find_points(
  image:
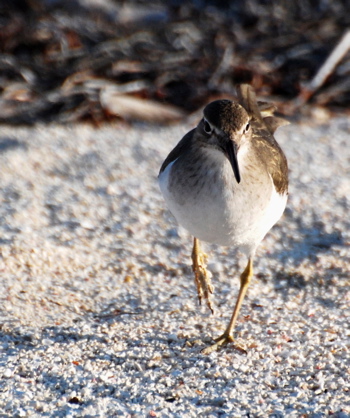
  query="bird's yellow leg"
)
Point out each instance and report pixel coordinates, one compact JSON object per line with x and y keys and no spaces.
{"x":227,"y":336}
{"x":202,"y":278}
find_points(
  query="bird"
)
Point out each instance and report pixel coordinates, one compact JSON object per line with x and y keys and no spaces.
{"x":226,"y":182}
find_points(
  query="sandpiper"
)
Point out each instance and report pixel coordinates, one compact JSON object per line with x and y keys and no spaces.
{"x":226,"y":182}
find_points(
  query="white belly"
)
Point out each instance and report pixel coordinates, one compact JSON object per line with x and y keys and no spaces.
{"x":239,"y":215}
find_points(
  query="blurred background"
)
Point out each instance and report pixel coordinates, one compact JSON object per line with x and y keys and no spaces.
{"x":97,"y":60}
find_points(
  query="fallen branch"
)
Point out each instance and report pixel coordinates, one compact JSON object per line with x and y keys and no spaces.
{"x":338,"y":53}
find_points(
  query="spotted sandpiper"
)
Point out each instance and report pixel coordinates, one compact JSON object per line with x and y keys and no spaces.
{"x":226,"y":182}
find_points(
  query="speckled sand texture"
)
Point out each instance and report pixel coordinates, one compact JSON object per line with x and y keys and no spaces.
{"x":99,"y":314}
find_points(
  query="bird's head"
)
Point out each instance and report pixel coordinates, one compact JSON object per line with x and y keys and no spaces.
{"x":226,"y":126}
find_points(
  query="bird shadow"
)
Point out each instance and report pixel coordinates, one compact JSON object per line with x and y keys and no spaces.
{"x":8,"y":144}
{"x":154,"y":349}
{"x":310,"y":243}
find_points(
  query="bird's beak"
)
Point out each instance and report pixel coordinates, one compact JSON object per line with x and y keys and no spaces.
{"x":231,"y":150}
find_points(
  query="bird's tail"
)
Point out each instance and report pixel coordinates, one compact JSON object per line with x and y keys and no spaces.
{"x":247,"y":98}
{"x":261,"y":111}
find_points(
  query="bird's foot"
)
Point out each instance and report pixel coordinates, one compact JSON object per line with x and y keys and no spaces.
{"x":203,"y":281}
{"x":224,"y":339}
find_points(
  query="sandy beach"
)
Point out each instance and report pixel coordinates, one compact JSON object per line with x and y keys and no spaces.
{"x":99,"y":312}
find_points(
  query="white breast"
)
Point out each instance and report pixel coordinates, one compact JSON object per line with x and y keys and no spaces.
{"x":207,"y":217}
{"x":237,"y":215}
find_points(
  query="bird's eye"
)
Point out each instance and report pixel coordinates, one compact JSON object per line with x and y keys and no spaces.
{"x":246,"y":129}
{"x":207,"y":127}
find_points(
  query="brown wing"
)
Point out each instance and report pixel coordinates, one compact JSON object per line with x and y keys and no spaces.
{"x":268,"y":150}
{"x":184,"y":144}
